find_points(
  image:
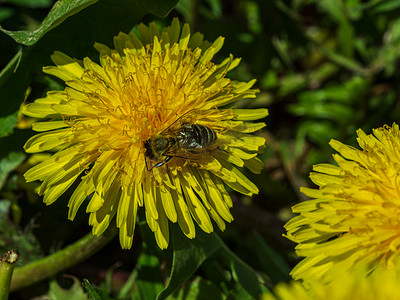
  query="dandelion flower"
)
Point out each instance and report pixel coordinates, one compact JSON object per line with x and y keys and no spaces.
{"x":381,"y":284}
{"x":354,"y":216}
{"x":98,"y":127}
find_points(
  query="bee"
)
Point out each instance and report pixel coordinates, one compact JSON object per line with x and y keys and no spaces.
{"x":180,"y":139}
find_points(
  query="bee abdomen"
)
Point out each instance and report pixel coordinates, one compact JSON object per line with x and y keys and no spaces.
{"x":206,"y":135}
{"x":194,"y":136}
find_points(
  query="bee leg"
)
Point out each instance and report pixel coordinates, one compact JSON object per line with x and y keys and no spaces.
{"x":161,"y":163}
{"x":167,"y":159}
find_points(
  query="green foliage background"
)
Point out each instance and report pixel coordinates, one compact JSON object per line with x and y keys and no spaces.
{"x":324,"y":67}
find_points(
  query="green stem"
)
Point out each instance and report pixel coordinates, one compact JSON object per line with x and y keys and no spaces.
{"x":61,"y":260}
{"x":7,"y":263}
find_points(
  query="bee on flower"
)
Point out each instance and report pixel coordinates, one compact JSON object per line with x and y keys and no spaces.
{"x":182,"y":141}
{"x":148,"y":127}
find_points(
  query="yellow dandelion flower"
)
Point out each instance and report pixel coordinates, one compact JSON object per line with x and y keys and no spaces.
{"x":145,"y":127}
{"x":353,"y":217}
{"x":383,"y":284}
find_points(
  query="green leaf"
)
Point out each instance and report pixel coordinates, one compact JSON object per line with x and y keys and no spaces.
{"x":334,"y":8}
{"x":318,"y":132}
{"x":5,"y":13}
{"x":148,"y":282}
{"x":126,"y":291}
{"x":238,"y":292}
{"x":249,"y":284}
{"x":11,"y":153}
{"x":291,"y":83}
{"x":8,"y":164}
{"x":73,"y":30}
{"x":13,"y":238}
{"x":7,"y":123}
{"x":271,"y":262}
{"x":76,"y":292}
{"x":386,"y":6}
{"x":61,"y":10}
{"x":64,"y":9}
{"x":188,"y":256}
{"x":346,"y":38}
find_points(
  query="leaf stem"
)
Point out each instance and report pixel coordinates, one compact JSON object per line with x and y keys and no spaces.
{"x":61,"y":260}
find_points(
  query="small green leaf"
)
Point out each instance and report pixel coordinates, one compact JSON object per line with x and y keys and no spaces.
{"x":76,"y":292}
{"x":9,"y":163}
{"x":7,"y":123}
{"x":93,"y":292}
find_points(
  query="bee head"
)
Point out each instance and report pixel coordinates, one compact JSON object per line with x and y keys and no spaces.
{"x":156,"y":146}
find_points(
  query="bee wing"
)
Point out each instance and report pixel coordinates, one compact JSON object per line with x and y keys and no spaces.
{"x":174,"y":127}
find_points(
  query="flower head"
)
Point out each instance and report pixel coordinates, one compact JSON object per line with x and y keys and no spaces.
{"x":381,"y":284}
{"x":120,"y":128}
{"x":354,"y":216}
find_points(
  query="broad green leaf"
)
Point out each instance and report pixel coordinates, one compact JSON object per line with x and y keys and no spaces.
{"x":270,"y":261}
{"x":61,"y":10}
{"x":188,"y":256}
{"x":148,"y":281}
{"x":250,"y":284}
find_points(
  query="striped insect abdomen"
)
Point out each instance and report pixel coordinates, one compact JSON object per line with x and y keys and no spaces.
{"x":196,"y":137}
